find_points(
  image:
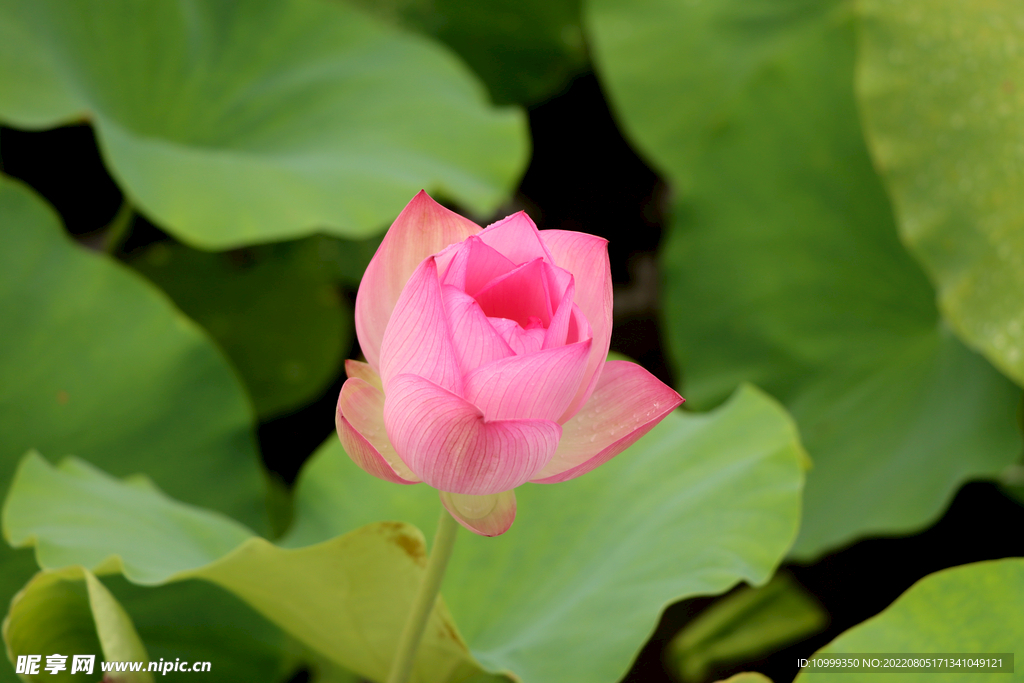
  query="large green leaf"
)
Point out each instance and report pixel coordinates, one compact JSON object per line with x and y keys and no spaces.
{"x":191,"y":620}
{"x":346,"y":598}
{"x":943,"y":100}
{"x":16,"y":567}
{"x":783,"y":265}
{"x":232,"y":123}
{"x":43,"y":500}
{"x":576,"y":586}
{"x":524,"y":50}
{"x":95,"y":362}
{"x":198,"y":621}
{"x":573,"y":590}
{"x":975,"y":608}
{"x":274,"y":309}
{"x":748,"y":677}
{"x":69,"y":611}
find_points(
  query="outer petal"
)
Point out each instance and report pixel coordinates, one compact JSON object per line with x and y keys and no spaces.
{"x":363,"y":371}
{"x":490,"y":515}
{"x":586,"y":257}
{"x":535,"y":387}
{"x":579,"y":329}
{"x":418,"y":339}
{"x":360,"y":422}
{"x":445,"y":440}
{"x":476,"y":342}
{"x":423,"y":228}
{"x":626,"y":404}
{"x":516,"y":237}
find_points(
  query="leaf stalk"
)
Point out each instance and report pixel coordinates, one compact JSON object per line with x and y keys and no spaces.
{"x":423,"y":605}
{"x":118,"y":228}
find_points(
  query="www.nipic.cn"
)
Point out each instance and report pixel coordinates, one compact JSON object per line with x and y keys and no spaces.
{"x":31,"y":664}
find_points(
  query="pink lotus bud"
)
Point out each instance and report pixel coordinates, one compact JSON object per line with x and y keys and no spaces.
{"x":486,"y":362}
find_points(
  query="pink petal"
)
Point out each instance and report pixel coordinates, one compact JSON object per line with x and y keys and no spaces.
{"x":447,"y":442}
{"x":579,"y":328}
{"x":539,"y":386}
{"x":626,"y":404}
{"x":518,"y":295}
{"x":360,"y":422}
{"x":517,"y":237}
{"x":418,"y":339}
{"x":558,"y":330}
{"x":490,"y":515}
{"x":476,"y":341}
{"x":521,"y":341}
{"x":473,"y":265}
{"x":558,"y":280}
{"x":363,"y":371}
{"x":423,"y":228}
{"x":586,"y":257}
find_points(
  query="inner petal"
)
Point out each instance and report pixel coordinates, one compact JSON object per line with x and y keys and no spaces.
{"x":522,"y":341}
{"x":579,"y":327}
{"x":558,"y":330}
{"x":475,"y":339}
{"x":474,"y":265}
{"x":516,"y":237}
{"x":519,"y":295}
{"x":558,"y":281}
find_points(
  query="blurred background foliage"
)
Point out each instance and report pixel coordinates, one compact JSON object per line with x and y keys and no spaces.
{"x":524,"y":52}
{"x":783,"y":265}
{"x":818,"y":197}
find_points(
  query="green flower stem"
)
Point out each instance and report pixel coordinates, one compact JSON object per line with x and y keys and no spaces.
{"x":119,"y":227}
{"x":423,"y":605}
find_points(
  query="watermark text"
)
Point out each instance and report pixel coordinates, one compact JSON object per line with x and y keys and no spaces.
{"x":33,"y":664}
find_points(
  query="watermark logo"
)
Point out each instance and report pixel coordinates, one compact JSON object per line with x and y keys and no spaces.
{"x":27,"y":664}
{"x":31,"y":665}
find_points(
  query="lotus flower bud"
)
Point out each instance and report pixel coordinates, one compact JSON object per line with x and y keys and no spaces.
{"x":486,"y":364}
